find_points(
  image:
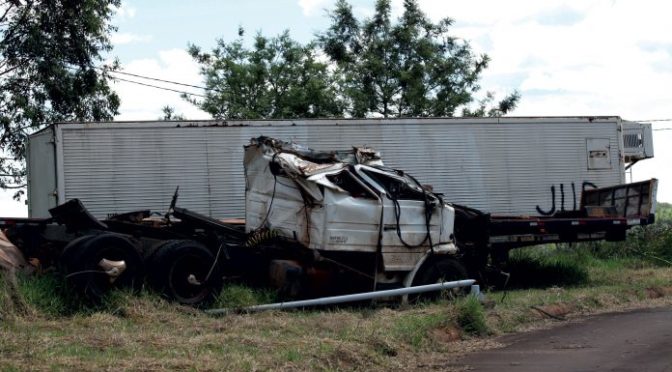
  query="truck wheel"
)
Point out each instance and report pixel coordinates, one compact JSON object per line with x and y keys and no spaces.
{"x":72,"y":249}
{"x":97,"y":263}
{"x":441,"y":270}
{"x":183,"y":271}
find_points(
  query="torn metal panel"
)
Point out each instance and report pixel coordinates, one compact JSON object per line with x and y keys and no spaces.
{"x":344,"y":201}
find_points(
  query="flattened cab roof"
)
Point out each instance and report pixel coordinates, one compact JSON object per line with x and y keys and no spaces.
{"x":307,"y":162}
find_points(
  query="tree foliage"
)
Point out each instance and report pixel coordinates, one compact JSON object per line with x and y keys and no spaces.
{"x":375,"y":67}
{"x":411,"y":67}
{"x":170,"y":114}
{"x":276,"y":78}
{"x":48,"y":55}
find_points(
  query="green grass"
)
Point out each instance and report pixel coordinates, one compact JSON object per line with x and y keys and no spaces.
{"x":471,"y":316}
{"x":144,"y":331}
{"x":664,"y":212}
{"x":413,"y":330}
{"x":47,"y":295}
{"x":236,"y":296}
{"x":651,"y":242}
{"x":543,"y":267}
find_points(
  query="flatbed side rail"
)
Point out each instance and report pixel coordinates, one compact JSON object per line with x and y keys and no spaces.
{"x":631,"y":201}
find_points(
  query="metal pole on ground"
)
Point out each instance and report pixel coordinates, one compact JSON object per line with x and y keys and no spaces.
{"x":351,"y":297}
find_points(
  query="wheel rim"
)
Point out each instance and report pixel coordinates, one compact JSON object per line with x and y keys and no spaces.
{"x":100,"y":282}
{"x":187,"y":279}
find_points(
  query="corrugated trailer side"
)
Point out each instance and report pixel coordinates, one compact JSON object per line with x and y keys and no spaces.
{"x":514,"y":166}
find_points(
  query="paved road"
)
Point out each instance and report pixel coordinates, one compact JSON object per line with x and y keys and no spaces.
{"x":634,"y":341}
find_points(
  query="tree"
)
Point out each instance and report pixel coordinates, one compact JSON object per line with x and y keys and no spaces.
{"x":277,"y":78}
{"x":409,"y":68}
{"x":49,"y":50}
{"x":376,"y":67}
{"x":170,"y":114}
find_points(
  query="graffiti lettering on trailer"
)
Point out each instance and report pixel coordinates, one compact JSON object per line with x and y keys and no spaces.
{"x":552,"y":210}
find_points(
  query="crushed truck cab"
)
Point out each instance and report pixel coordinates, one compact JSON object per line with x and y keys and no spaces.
{"x":345,"y":202}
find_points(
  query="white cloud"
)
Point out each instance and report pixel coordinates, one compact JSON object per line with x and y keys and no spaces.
{"x":120,"y":38}
{"x":363,"y":12}
{"x":125,"y":11}
{"x":144,"y":103}
{"x":310,"y":6}
{"x":11,"y":207}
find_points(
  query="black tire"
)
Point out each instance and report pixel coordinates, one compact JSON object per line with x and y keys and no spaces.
{"x":72,"y":249}
{"x":441,"y":269}
{"x":80,"y":264}
{"x":171,"y":265}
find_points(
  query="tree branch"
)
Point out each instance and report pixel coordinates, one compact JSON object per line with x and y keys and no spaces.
{"x":4,"y":15}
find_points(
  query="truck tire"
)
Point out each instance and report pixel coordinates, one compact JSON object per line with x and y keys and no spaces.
{"x":441,"y":269}
{"x":185,"y":271}
{"x":80,"y":263}
{"x":73,"y":248}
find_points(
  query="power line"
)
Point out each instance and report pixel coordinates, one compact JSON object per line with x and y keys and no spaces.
{"x":158,"y":87}
{"x":653,"y":120}
{"x":162,"y":80}
{"x":662,"y":129}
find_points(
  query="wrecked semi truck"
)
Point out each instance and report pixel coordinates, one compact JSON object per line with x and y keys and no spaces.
{"x":532,"y":181}
{"x":516,"y":169}
{"x":315,"y":222}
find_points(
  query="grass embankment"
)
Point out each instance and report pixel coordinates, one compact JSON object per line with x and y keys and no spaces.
{"x":41,"y":330}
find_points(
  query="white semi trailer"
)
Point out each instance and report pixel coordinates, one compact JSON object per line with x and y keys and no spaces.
{"x":522,"y":166}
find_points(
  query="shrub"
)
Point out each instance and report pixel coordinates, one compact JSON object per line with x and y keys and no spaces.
{"x":653,"y":242}
{"x":471,"y":316}
{"x":542,"y":268}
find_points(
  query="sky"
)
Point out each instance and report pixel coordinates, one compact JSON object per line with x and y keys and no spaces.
{"x":566,"y":58}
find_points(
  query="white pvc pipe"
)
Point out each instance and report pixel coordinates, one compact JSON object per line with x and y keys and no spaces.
{"x":351,"y":297}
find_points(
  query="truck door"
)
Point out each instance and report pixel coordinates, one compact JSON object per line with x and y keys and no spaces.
{"x":405,"y":230}
{"x":352,"y":218}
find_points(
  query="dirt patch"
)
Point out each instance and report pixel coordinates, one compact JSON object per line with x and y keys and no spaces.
{"x":383,"y":347}
{"x":446,"y":334}
{"x":654,"y":292}
{"x":658,"y":292}
{"x":557,"y":311}
{"x":344,"y":358}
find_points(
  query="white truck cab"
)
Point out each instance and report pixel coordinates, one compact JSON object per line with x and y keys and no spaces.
{"x":346,"y":202}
